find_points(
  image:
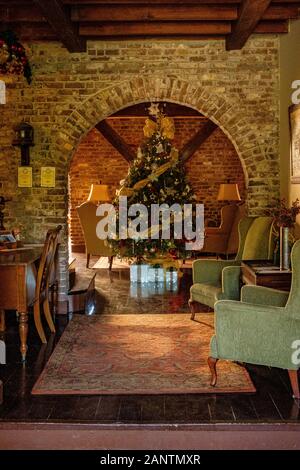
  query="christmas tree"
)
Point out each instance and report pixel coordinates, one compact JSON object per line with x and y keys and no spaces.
{"x":156,"y":176}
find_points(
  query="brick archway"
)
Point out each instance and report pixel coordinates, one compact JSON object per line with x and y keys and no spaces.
{"x":252,"y":150}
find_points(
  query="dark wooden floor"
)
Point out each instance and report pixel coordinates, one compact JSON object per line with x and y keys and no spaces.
{"x":272,"y":402}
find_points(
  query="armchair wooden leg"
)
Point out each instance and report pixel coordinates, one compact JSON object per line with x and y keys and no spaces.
{"x":110,"y":262}
{"x":2,"y":320}
{"x":88,"y":259}
{"x":212,"y":364}
{"x":293,"y":374}
{"x":192,"y":306}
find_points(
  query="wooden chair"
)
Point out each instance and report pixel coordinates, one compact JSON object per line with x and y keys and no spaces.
{"x":44,"y":284}
{"x":43,"y":280}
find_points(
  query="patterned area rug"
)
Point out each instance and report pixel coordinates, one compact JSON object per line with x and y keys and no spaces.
{"x":137,"y":354}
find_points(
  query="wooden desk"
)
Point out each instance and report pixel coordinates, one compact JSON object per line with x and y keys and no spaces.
{"x":264,"y":273}
{"x":17,"y":285}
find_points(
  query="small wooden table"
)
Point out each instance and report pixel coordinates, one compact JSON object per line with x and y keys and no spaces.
{"x":265,"y":273}
{"x":17,"y":285}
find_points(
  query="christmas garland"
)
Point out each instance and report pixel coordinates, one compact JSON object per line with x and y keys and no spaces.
{"x":13,"y":58}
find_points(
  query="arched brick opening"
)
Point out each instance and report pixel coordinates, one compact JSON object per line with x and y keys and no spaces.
{"x":253,"y":152}
{"x":95,"y":161}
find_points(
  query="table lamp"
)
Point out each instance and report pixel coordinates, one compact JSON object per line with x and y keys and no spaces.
{"x":99,"y":193}
{"x":229,"y":192}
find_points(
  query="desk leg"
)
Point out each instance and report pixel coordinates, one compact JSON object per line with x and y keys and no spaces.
{"x":23,"y":332}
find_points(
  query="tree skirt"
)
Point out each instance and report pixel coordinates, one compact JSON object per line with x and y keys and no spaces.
{"x":137,"y":354}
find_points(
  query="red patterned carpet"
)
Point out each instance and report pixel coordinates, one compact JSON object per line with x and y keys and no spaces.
{"x":137,"y":354}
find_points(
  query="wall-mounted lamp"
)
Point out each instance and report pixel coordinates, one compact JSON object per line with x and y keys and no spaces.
{"x":24,"y":138}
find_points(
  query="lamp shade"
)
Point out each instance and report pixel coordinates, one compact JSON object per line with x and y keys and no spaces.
{"x":99,"y":192}
{"x":229,"y":192}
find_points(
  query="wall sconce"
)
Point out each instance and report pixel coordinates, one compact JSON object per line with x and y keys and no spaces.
{"x":24,"y":138}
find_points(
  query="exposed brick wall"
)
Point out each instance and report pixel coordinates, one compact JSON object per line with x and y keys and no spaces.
{"x":71,"y":93}
{"x":95,"y":161}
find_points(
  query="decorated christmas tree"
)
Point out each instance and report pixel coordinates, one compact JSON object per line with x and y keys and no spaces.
{"x":156,"y":176}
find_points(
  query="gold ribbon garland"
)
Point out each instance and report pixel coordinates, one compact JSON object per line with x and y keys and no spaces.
{"x":129,"y":192}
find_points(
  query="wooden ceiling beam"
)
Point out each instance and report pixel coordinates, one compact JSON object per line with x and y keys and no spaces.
{"x":31,"y":31}
{"x":158,"y":28}
{"x":42,"y":31}
{"x":22,"y":13}
{"x":272,"y":27}
{"x":180,"y":12}
{"x":250,"y":13}
{"x":153,"y":2}
{"x":31,"y":13}
{"x":197,"y":140}
{"x":116,"y":141}
{"x":281,"y":12}
{"x":194,"y":30}
{"x":110,"y":13}
{"x":58,"y":18}
{"x":15,"y":2}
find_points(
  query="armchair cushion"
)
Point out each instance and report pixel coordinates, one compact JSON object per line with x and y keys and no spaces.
{"x":257,"y":240}
{"x":208,"y":282}
{"x":233,"y":241}
{"x":205,"y":293}
{"x":255,"y":334}
{"x":231,"y":282}
{"x":258,"y":295}
{"x":210,"y":270}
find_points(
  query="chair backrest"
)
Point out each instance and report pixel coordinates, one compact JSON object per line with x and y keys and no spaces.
{"x":47,"y":261}
{"x":89,"y":220}
{"x":227,"y":217}
{"x":217,"y":238}
{"x":233,"y":239}
{"x":256,"y":240}
{"x":293,"y":303}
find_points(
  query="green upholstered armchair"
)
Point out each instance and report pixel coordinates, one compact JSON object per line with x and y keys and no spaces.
{"x":263,"y":328}
{"x":220,"y":279}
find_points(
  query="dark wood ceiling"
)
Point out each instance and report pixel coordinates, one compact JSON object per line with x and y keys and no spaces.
{"x":74,"y":21}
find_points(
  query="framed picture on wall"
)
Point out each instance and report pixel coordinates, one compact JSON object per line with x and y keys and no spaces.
{"x":294,"y":119}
